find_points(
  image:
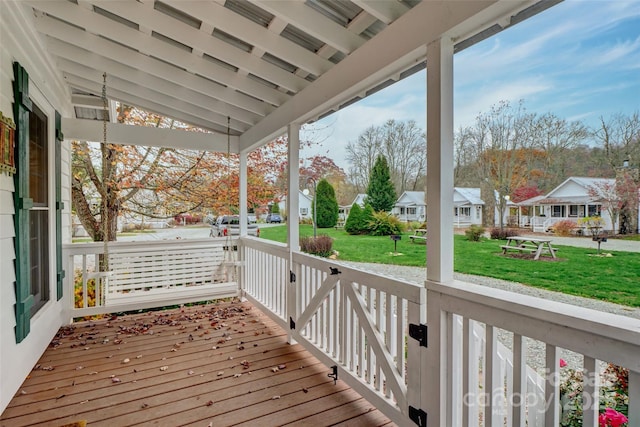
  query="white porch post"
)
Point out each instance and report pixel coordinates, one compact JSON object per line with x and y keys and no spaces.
{"x":293,"y":230}
{"x":242,"y":193}
{"x":439,"y":223}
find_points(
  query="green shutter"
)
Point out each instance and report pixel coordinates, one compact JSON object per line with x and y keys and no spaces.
{"x":59,"y":204}
{"x":22,"y":202}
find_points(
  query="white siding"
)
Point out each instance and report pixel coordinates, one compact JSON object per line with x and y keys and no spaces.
{"x":17,"y":360}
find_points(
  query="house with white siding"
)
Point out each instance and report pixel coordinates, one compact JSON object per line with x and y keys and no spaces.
{"x":467,"y":210}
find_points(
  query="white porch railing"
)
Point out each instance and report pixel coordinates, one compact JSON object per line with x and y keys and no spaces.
{"x":596,"y":335}
{"x":359,"y":322}
{"x":353,"y":320}
{"x":149,"y":274}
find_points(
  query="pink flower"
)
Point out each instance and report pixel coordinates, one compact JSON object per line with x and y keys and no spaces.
{"x":612,"y":418}
{"x":563,"y":363}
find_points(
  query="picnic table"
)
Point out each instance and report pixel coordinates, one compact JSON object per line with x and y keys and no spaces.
{"x":529,"y":244}
{"x":420,"y":235}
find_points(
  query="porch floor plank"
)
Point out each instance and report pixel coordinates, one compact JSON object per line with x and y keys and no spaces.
{"x":223,"y":363}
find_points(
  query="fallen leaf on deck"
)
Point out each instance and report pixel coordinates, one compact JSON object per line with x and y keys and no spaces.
{"x":275,"y":397}
{"x":274,"y":369}
{"x":221,"y":373}
{"x":115,"y":380}
{"x":126,"y":360}
{"x":305,"y":390}
{"x":164,"y":368}
{"x":283,"y":366}
{"x":209,"y":403}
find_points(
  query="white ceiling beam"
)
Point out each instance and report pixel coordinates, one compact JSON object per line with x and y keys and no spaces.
{"x":117,"y":133}
{"x":139,"y":41}
{"x":195,"y":38}
{"x":125,"y":86}
{"x":265,"y":39}
{"x":399,"y":46}
{"x":305,"y":18}
{"x":119,"y":54}
{"x":129,"y":99}
{"x":386,"y":11}
{"x":70,"y":54}
{"x":86,"y":101}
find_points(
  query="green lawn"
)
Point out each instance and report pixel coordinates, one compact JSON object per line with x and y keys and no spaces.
{"x":577,"y":272}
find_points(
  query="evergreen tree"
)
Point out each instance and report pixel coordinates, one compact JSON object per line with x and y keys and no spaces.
{"x":326,"y":204}
{"x":353,"y":225}
{"x":275,"y":208}
{"x":380,"y":192}
{"x":366,"y":219}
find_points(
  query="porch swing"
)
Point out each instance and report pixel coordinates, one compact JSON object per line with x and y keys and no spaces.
{"x":228,"y":268}
{"x":161,"y":275}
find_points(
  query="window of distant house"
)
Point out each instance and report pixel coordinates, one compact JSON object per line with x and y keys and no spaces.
{"x":594,"y":210}
{"x":304,"y":211}
{"x":411,"y":211}
{"x":573,"y":210}
{"x":39,"y":213}
{"x":558,"y":211}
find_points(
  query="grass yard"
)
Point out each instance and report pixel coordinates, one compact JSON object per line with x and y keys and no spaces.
{"x":576,"y":272}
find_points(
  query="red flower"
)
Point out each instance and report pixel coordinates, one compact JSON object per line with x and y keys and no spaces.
{"x":612,"y":418}
{"x":563,"y":363}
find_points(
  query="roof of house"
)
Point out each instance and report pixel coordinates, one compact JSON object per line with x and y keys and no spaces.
{"x":555,"y":196}
{"x":461,"y":196}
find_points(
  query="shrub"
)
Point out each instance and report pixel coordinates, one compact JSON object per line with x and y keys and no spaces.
{"x":501,"y":234}
{"x":366,"y":218}
{"x":564,"y":227}
{"x":474,"y":233}
{"x":354,"y":224}
{"x":414,"y":225}
{"x":320,"y":246}
{"x":385,"y":224}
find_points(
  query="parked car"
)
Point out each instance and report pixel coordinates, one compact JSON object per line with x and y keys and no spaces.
{"x":274,"y":218}
{"x":229,"y":225}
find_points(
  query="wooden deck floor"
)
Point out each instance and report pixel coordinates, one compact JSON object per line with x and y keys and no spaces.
{"x":215,"y":365}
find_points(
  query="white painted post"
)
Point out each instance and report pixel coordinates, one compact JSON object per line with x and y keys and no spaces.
{"x":440,"y":161}
{"x":293,"y":230}
{"x":439,"y":192}
{"x":242,"y":193}
{"x":519,"y":398}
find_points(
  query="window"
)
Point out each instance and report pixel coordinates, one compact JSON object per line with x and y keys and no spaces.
{"x":39,"y":213}
{"x":411,"y":211}
{"x":38,"y":208}
{"x":594,"y":210}
{"x":464,"y":211}
{"x":573,"y":210}
{"x":558,"y":211}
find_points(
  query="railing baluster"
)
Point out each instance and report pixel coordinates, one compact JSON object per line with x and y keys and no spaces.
{"x":492,"y":383}
{"x":634,"y":398}
{"x":468,"y":395}
{"x":519,"y":381}
{"x":590,"y":392}
{"x":551,"y":387}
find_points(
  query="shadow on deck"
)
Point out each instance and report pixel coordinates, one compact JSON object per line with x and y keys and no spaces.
{"x":219,"y":364}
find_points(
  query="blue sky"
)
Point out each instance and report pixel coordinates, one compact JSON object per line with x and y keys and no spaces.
{"x":580,"y":60}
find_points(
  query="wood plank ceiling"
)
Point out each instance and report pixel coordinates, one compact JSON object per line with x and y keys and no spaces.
{"x":202,"y":62}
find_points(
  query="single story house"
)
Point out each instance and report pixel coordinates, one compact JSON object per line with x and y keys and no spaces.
{"x":467,"y":210}
{"x":343,"y":211}
{"x":575,"y":198}
{"x":305,"y":203}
